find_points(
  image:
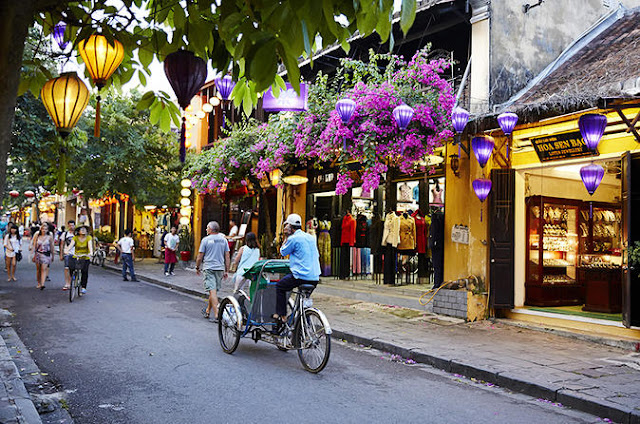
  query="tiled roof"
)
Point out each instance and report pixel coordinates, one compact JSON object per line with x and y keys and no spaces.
{"x":608,"y":65}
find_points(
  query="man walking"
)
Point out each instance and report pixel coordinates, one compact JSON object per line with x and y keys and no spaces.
{"x":304,"y":262}
{"x":66,"y":253}
{"x":126,"y":247}
{"x":214,"y":259}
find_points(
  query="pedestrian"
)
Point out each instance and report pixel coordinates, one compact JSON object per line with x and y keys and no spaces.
{"x":21,"y":230}
{"x":42,"y":246}
{"x":213,"y":256}
{"x":13,"y":252}
{"x":82,"y":245}
{"x":304,"y":263}
{"x":126,"y":247}
{"x":66,"y":253}
{"x":248,"y":255}
{"x":170,"y":247}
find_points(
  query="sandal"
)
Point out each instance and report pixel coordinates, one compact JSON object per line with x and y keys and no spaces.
{"x":204,"y":313}
{"x":65,"y":288}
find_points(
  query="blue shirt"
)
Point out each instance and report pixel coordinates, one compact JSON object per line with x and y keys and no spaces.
{"x":304,"y":259}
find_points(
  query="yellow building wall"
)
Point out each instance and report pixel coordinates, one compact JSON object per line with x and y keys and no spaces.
{"x":291,"y":199}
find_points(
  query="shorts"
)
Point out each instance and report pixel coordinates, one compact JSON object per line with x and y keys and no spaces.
{"x":212,"y":279}
{"x":67,"y":258}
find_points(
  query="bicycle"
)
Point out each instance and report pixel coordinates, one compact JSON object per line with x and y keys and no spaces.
{"x":76,"y":287}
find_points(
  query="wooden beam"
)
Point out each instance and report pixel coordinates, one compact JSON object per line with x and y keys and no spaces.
{"x":629,"y":124}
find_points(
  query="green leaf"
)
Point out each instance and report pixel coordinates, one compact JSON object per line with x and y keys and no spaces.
{"x":146,"y":56}
{"x":305,"y":37}
{"x":146,"y":100}
{"x":263,"y":65}
{"x":165,"y":120}
{"x":179,"y":17}
{"x":407,"y":15}
{"x":142,"y":78}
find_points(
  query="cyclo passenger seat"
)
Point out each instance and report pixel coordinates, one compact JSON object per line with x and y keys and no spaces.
{"x":306,"y":289}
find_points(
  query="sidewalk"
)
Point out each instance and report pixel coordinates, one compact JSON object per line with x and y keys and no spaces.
{"x":601,"y":380}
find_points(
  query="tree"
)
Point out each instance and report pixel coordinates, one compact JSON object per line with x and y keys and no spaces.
{"x":255,"y":38}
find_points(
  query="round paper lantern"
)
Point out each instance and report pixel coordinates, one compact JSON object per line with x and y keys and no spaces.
{"x":185,"y":201}
{"x":507,"y":122}
{"x":187,"y":74}
{"x":185,"y":183}
{"x":207,"y":108}
{"x":345,"y":108}
{"x":459,"y":119}
{"x":65,"y":98}
{"x":482,"y":148}
{"x":215,"y":101}
{"x":225,"y":86}
{"x":184,"y":220}
{"x":186,"y":211}
{"x":14,"y":193}
{"x":185,"y":192}
{"x":403,"y":114}
{"x":29,"y":194}
{"x":592,"y":126}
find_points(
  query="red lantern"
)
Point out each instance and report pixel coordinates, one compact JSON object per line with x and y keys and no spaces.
{"x":14,"y":193}
{"x":29,"y":194}
{"x":75,"y":191}
{"x":46,"y":194}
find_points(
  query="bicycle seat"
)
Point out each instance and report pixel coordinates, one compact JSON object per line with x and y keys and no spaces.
{"x":306,"y":288}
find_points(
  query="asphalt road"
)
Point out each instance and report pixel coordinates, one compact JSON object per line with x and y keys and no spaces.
{"x":136,"y":353}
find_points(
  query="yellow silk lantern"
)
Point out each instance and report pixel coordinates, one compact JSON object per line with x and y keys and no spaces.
{"x":65,"y":98}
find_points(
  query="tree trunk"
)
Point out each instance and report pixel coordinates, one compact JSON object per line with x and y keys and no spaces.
{"x":15,"y":19}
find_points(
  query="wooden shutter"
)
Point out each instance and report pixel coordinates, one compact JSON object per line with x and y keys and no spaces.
{"x":630,"y":234}
{"x":501,"y":233}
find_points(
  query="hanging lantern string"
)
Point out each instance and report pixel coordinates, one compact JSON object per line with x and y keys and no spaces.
{"x":96,"y":128}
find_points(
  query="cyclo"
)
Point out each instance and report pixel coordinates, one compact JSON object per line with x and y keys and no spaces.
{"x":244,"y":314}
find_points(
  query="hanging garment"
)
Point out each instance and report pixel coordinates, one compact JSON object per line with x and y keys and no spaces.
{"x":407,"y":233}
{"x":324,"y":247}
{"x":345,"y":262}
{"x":437,"y":196}
{"x":336,"y":231}
{"x":348,"y":235}
{"x":390,"y":260}
{"x":405,"y":192}
{"x":391,"y":231}
{"x":421,"y":232}
{"x":312,"y":226}
{"x":365,"y":259}
{"x":362,"y":231}
{"x":416,"y":193}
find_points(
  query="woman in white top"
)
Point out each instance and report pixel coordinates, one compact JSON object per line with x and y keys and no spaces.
{"x":13,"y":245}
{"x":248,"y":255}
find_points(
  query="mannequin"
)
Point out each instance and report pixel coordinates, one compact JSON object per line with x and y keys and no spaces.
{"x":347,"y":240}
{"x":324,"y":245}
{"x":437,"y":194}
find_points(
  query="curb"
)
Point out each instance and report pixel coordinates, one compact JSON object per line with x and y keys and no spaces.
{"x":554,"y":393}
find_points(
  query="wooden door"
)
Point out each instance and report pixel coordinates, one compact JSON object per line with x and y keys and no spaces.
{"x":630,"y":234}
{"x":501,"y":233}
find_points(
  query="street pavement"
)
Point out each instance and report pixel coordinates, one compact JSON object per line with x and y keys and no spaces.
{"x":137,"y":353}
{"x":591,"y":377}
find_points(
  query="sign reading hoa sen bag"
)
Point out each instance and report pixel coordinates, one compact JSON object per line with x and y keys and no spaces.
{"x":561,"y":146}
{"x":288,"y":100}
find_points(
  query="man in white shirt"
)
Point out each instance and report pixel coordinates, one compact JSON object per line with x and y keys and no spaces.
{"x":126,"y":246}
{"x":171,"y":241}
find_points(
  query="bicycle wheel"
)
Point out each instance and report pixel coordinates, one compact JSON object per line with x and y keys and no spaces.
{"x":314,"y":344}
{"x":228,"y":332}
{"x":101,"y":259}
{"x":78,"y":285}
{"x":72,"y":288}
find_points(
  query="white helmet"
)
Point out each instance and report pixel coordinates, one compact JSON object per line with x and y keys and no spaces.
{"x":294,"y":219}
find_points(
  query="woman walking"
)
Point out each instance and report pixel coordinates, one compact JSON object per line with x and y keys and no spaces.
{"x":42,"y":247}
{"x":247,"y":256}
{"x":13,"y":251}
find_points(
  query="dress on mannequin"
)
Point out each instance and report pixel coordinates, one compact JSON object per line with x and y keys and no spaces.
{"x":324,"y":247}
{"x":405,"y":192}
{"x":407,"y":233}
{"x":437,"y":194}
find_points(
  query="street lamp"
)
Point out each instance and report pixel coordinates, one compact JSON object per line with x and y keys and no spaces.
{"x":102,"y":58}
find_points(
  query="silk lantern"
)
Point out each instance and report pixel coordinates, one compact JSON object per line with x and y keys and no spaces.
{"x":102,"y":58}
{"x":58,"y":35}
{"x":591,"y":175}
{"x":187,"y":74}
{"x":507,"y":122}
{"x":65,"y":98}
{"x":592,"y":126}
{"x":345,"y":108}
{"x":482,"y":148}
{"x":459,"y":119}
{"x":225,"y":86}
{"x":482,"y":188}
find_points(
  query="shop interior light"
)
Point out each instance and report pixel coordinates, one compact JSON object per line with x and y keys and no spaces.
{"x":207,"y":108}
{"x":274,"y":176}
{"x":459,"y":118}
{"x":185,"y":183}
{"x":295,"y":179}
{"x":185,"y":192}
{"x":482,"y":147}
{"x":345,"y":108}
{"x":507,"y":122}
{"x":403,"y":114}
{"x":184,"y":220}
{"x":225,"y":86}
{"x":187,"y":134}
{"x":149,"y":207}
{"x":592,"y":126}
{"x":185,"y":201}
{"x":187,"y":144}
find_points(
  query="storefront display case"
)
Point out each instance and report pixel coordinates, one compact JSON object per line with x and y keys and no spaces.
{"x":600,"y":257}
{"x":552,"y":252}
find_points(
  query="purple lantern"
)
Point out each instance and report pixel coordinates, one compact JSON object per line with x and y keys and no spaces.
{"x":482,"y":187}
{"x":592,"y":126}
{"x":403,"y":114}
{"x":591,"y":177}
{"x":482,"y":147}
{"x":345,"y":108}
{"x":507,"y":121}
{"x":225,"y":86}
{"x":58,"y":35}
{"x":459,"y":117}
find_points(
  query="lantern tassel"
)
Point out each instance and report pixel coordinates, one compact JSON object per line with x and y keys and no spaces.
{"x":590,"y":210}
{"x":183,"y":148}
{"x":480,"y":214}
{"x":96,"y":128}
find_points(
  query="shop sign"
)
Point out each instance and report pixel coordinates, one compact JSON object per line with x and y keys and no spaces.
{"x":561,"y":146}
{"x":460,"y":234}
{"x":288,"y":100}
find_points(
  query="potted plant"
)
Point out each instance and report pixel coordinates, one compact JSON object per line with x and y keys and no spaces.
{"x":634,"y":255}
{"x":185,"y":245}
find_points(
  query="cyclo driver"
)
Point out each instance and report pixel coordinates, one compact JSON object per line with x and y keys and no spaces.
{"x":304,"y":263}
